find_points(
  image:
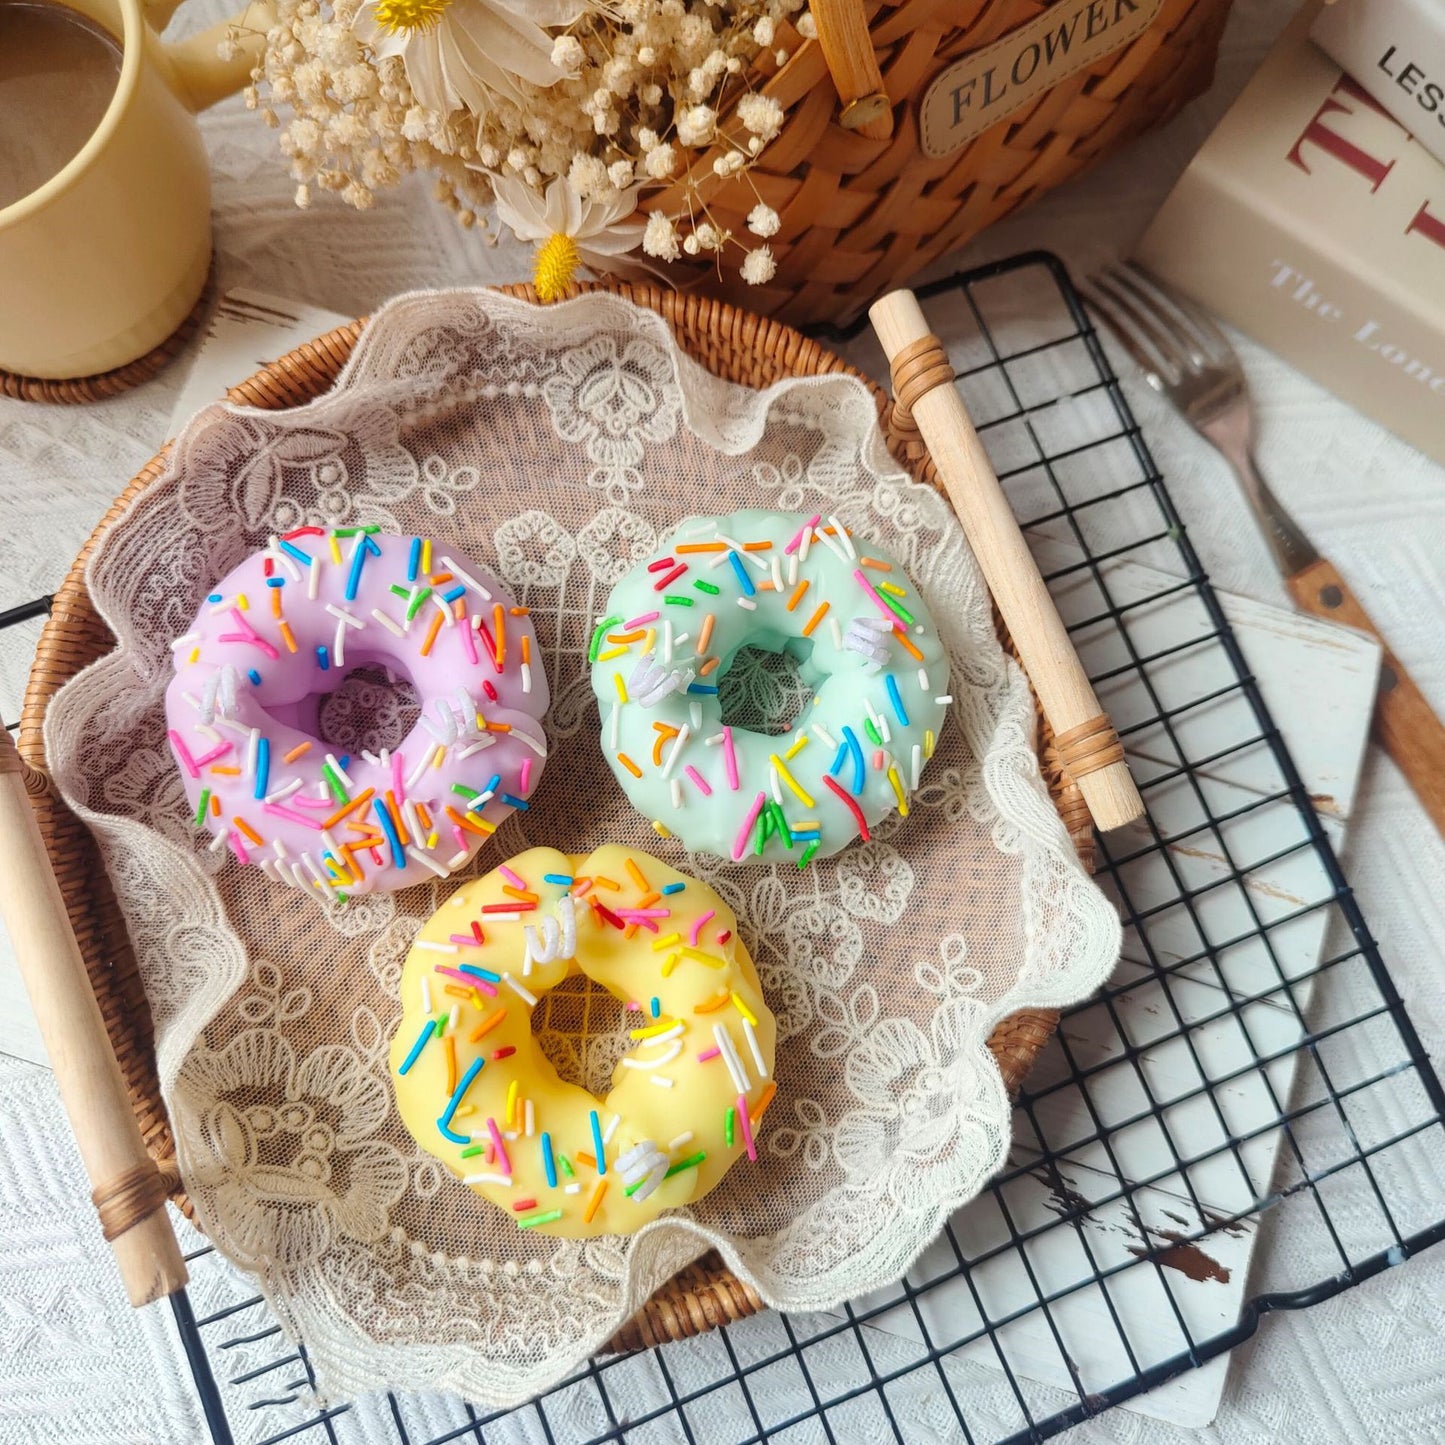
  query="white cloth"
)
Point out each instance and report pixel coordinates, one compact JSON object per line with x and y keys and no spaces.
{"x":1363,"y":1367}
{"x":79,"y":1364}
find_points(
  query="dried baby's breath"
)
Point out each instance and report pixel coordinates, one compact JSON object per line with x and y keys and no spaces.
{"x":759,"y":267}
{"x":573,"y":110}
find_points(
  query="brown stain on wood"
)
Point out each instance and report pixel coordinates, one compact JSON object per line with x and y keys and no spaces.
{"x":1255,"y":885}
{"x":1270,"y":890}
{"x":1223,"y":1222}
{"x":1064,"y":1200}
{"x":1185,"y":1256}
{"x":1178,"y":1252}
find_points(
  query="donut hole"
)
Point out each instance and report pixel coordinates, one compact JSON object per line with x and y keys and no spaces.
{"x":372,"y":709}
{"x":763,"y":688}
{"x":582,"y":1030}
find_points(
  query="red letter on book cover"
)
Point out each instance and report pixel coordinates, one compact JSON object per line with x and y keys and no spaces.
{"x":1318,"y":133}
{"x":1428,"y":225}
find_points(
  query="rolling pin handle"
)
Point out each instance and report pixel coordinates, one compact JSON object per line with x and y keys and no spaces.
{"x":917,"y":369}
{"x":927,"y":403}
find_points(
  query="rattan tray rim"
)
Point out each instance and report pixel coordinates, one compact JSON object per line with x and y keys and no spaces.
{"x":733,"y":343}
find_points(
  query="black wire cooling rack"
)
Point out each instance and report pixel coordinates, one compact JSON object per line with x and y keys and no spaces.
{"x":1245,"y":1099}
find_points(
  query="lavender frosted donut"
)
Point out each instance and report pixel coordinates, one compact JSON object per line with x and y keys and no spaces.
{"x":280,"y":632}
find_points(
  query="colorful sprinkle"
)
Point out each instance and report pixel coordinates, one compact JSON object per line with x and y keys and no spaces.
{"x":263,"y":766}
{"x":689,"y":1163}
{"x":388,"y":828}
{"x":747,"y":1127}
{"x":595,"y":1201}
{"x":416,"y":1048}
{"x":744,"y":581}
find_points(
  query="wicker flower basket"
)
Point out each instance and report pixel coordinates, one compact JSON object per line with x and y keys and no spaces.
{"x":914,"y":124}
{"x":735,"y":345}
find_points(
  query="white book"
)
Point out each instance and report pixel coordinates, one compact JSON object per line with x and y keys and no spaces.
{"x":1395,"y":52}
{"x":1314,"y":222}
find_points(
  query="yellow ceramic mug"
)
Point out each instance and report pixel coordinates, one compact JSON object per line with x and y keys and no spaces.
{"x":105,"y":260}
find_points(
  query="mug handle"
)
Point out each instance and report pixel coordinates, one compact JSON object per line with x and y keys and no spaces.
{"x":198,"y":73}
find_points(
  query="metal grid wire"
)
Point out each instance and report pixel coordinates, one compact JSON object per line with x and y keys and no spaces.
{"x":1248,"y":1076}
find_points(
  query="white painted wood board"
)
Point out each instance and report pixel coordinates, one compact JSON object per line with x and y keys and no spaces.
{"x":246,"y":331}
{"x":1318,"y":681}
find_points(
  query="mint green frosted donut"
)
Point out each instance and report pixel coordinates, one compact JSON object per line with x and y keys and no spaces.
{"x":865,"y":644}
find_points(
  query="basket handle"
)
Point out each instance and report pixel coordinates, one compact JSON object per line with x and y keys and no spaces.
{"x":852,"y":62}
{"x":128,"y":1190}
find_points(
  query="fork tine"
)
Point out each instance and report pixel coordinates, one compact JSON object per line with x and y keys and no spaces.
{"x":1110,"y":315}
{"x":1209,"y":345}
{"x":1210,"y":334}
{"x":1135,"y":327}
{"x":1154,"y":310}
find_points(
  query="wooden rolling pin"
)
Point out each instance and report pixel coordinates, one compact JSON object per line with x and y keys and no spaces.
{"x":923,"y":387}
{"x":127,"y":1188}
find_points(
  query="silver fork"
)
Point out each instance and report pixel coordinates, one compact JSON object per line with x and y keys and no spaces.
{"x":1187,"y":359}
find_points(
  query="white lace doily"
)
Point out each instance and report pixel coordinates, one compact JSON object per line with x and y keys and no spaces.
{"x":554,"y":445}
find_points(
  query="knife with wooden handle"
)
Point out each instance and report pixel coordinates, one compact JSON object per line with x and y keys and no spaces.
{"x":1405,"y":723}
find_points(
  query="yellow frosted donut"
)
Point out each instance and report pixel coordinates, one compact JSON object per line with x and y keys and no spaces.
{"x":476,"y":1091}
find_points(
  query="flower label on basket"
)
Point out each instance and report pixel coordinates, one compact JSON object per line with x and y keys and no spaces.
{"x":991,"y":84}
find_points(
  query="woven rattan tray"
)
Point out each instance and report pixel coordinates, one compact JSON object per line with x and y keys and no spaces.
{"x":735,"y":345}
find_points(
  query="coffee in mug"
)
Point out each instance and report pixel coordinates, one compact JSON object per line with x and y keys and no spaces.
{"x":58,"y":75}
{"x":105,"y":217}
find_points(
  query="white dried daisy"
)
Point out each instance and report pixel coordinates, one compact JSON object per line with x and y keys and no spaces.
{"x":568,"y":229}
{"x":458,"y":54}
{"x":557,"y":109}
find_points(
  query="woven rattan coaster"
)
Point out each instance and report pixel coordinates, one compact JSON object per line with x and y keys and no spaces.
{"x":108,"y":383}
